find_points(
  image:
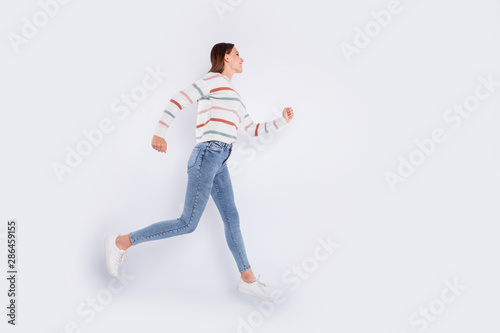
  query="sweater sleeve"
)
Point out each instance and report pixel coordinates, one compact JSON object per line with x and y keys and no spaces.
{"x":179,"y":101}
{"x":256,"y":129}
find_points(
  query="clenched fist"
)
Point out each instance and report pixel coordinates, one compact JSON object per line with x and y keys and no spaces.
{"x":159,"y":144}
{"x":288,"y":114}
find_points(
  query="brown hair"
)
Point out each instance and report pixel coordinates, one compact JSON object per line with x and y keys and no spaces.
{"x":217,"y":56}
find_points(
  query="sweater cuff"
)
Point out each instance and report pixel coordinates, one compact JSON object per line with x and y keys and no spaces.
{"x":160,"y":131}
{"x":281,"y":122}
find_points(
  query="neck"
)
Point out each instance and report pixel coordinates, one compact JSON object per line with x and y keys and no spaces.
{"x":228,"y":73}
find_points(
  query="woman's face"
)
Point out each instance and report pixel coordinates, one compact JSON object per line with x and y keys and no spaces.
{"x":234,"y":61}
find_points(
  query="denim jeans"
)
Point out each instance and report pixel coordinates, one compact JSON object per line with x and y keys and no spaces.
{"x":207,"y":175}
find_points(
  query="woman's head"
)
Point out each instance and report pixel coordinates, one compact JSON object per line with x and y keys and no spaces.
{"x":225,"y":56}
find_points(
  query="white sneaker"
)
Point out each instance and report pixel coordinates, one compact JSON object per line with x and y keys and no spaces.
{"x":255,"y":289}
{"x":114,"y":256}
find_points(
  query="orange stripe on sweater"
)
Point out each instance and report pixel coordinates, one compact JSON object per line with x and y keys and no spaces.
{"x":224,"y":88}
{"x":178,"y":105}
{"x":218,"y":119}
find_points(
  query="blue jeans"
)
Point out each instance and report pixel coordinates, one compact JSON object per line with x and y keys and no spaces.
{"x":207,"y":175}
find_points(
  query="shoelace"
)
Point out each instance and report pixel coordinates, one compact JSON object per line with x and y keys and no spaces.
{"x":121,"y":257}
{"x":261,"y":283}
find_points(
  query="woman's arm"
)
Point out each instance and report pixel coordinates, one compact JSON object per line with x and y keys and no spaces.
{"x":179,"y":101}
{"x":256,"y":129}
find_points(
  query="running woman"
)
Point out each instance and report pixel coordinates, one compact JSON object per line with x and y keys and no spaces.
{"x":221,"y":112}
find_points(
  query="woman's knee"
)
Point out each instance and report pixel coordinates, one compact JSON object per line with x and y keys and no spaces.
{"x":190,"y":227}
{"x":190,"y":224}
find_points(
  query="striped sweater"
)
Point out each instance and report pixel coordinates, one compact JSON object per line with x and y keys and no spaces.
{"x":221,"y":111}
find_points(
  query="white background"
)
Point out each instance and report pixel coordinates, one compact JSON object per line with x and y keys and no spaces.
{"x":322,"y":176}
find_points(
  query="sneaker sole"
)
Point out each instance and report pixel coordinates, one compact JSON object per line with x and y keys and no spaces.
{"x":107,"y":245}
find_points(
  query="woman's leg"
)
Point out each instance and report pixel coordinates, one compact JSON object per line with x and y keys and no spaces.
{"x":202,"y":167}
{"x":222,"y":194}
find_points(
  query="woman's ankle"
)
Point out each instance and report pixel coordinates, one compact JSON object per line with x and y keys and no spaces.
{"x":248,"y":276}
{"x":123,"y":242}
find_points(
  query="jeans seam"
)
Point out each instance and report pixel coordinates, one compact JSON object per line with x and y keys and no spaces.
{"x":222,"y":165}
{"x":229,"y":224}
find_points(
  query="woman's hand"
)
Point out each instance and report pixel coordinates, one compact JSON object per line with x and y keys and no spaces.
{"x":288,"y":114}
{"x":159,"y":144}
